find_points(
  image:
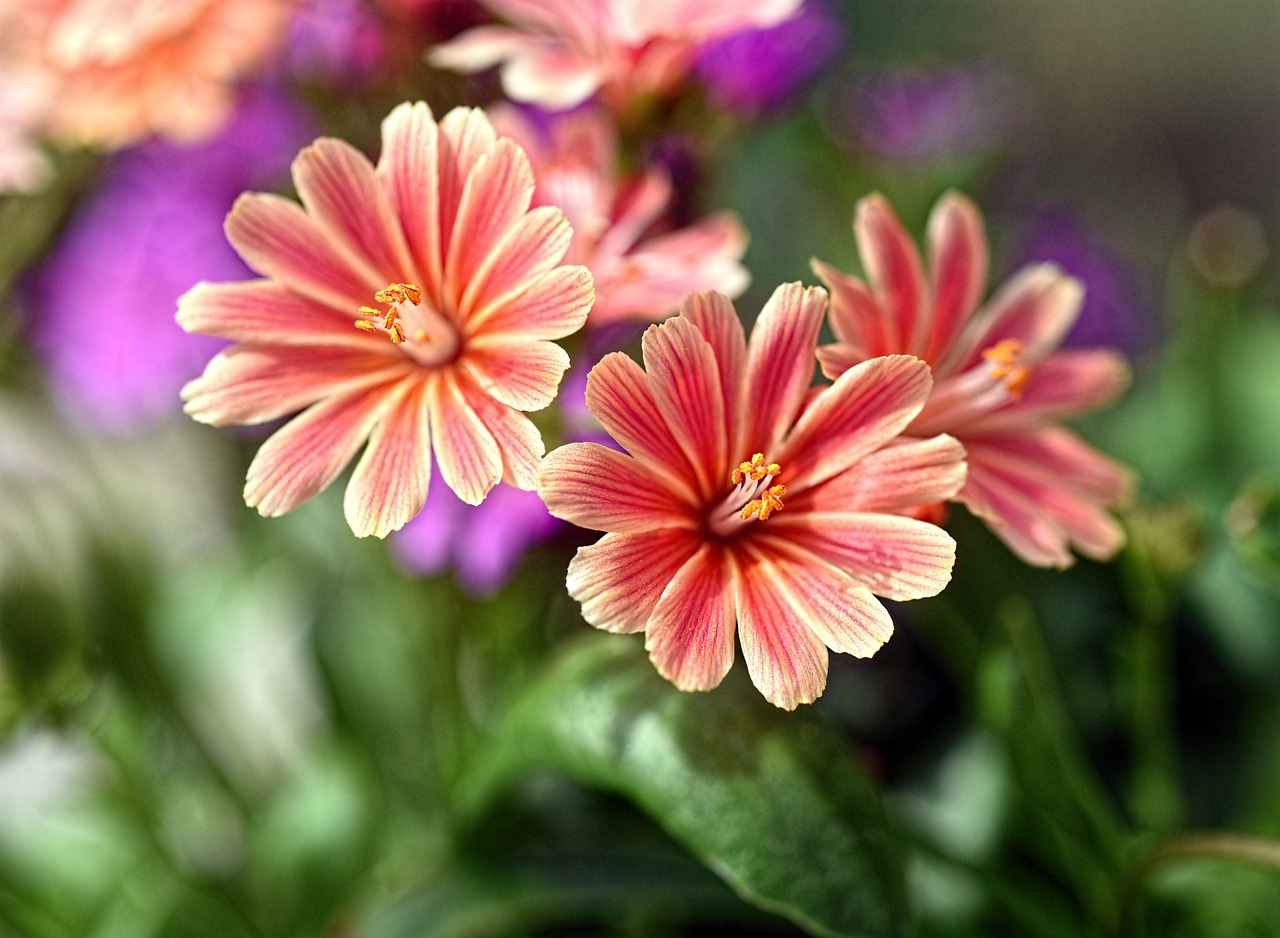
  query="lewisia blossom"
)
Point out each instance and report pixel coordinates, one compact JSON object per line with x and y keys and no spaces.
{"x":638,"y":272}
{"x":466,"y":288}
{"x":558,"y":53}
{"x":746,"y":499}
{"x":1001,"y":381}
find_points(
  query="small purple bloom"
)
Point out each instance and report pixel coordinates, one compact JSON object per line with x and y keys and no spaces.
{"x":102,"y":304}
{"x":759,"y":69}
{"x":334,"y":41}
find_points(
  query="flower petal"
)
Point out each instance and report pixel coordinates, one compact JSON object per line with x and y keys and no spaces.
{"x":277,"y":238}
{"x":528,"y":251}
{"x":551,"y":77}
{"x":893,"y":267}
{"x":716,"y":319}
{"x":599,"y":488}
{"x":389,"y":484}
{"x":465,"y":136}
{"x":897,"y":558}
{"x":519,"y":373}
{"x":865,"y":408}
{"x":1068,"y":383}
{"x":958,"y":266}
{"x":902,"y":476}
{"x":785,"y":658}
{"x":301,"y":458}
{"x":409,"y":168}
{"x":620,"y":578}
{"x":1062,"y":457}
{"x":1015,"y":518}
{"x":466,"y":452}
{"x":1037,"y":307}
{"x":264,"y":312}
{"x":857,"y":320}
{"x":689,"y":635}
{"x":550,"y":307}
{"x":780,"y":365}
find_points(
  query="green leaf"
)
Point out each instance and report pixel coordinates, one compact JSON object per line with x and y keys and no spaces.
{"x":774,"y":803}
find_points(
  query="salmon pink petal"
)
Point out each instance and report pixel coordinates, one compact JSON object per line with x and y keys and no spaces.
{"x":518,"y":439}
{"x":1068,"y":383}
{"x":685,"y":382}
{"x":619,"y":579}
{"x":494,"y":197}
{"x":958,"y":267}
{"x":523,"y":375}
{"x":1015,"y":519}
{"x":554,"y":305}
{"x":837,"y":608}
{"x":345,"y":198}
{"x":690,"y":632}
{"x":856,"y":319}
{"x":902,"y":476}
{"x":619,"y":396}
{"x":409,"y":168}
{"x":278,"y":239}
{"x":719,"y":324}
{"x":867,"y":406}
{"x":898,"y":558}
{"x":250,"y":384}
{"x":389,"y":484}
{"x":466,"y":452}
{"x":785,"y":658}
{"x":599,"y":488}
{"x":780,"y":365}
{"x":465,"y":136}
{"x":552,"y":78}
{"x":300,"y":459}
{"x":529,"y":250}
{"x":893,"y":266}
{"x":263,"y":312}
{"x":481,"y":48}
{"x":1036,"y":308}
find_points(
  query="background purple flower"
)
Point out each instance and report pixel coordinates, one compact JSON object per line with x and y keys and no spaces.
{"x":101,"y":306}
{"x":334,"y":41}
{"x":757,"y":69}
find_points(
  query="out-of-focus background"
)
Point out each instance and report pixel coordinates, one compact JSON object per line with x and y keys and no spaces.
{"x":217,"y":724}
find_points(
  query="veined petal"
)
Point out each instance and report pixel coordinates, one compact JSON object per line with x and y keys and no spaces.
{"x":834,"y":605}
{"x":619,"y":579}
{"x":906,"y":474}
{"x":465,"y":136}
{"x":716,"y":319}
{"x":466,"y":452}
{"x":345,"y":198}
{"x":780,"y":364}
{"x":689,"y":635}
{"x":519,"y":441}
{"x":264,"y":312}
{"x":1015,"y":519}
{"x":619,"y":396}
{"x":893,"y":266}
{"x":554,"y":305}
{"x":521,"y":374}
{"x":1066,"y":384}
{"x":277,"y":238}
{"x":897,"y":558}
{"x":1036,"y":308}
{"x":867,"y":406}
{"x":958,"y":267}
{"x":409,"y":168}
{"x":389,"y":484}
{"x":857,"y":320}
{"x":250,"y":384}
{"x":785,"y":658}
{"x":301,"y":458}
{"x":529,"y":249}
{"x":599,"y":488}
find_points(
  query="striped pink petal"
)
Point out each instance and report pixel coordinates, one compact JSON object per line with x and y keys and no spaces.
{"x":519,"y":442}
{"x":1015,"y":519}
{"x":263,"y":312}
{"x":619,"y":579}
{"x":599,"y":488}
{"x":389,"y":484}
{"x":409,"y":169}
{"x":528,"y":251}
{"x":857,"y":320}
{"x":714,"y":316}
{"x":1063,"y":457}
{"x":900,"y":477}
{"x":957,"y":267}
{"x":520,"y":374}
{"x":893,"y":267}
{"x":468,"y":456}
{"x":1066,"y":384}
{"x":465,"y":136}
{"x":553,"y":305}
{"x":690,"y":632}
{"x":1036,"y":308}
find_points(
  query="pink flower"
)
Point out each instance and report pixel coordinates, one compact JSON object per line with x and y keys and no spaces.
{"x":639,"y":269}
{"x":1001,"y":381}
{"x":468,"y":289}
{"x":558,"y":53}
{"x":118,"y":71}
{"x":747,"y":498}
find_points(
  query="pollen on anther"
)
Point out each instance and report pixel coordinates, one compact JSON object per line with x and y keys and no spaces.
{"x":755,"y":470}
{"x":1006,"y":366}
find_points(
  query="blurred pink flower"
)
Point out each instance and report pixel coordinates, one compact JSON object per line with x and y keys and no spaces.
{"x":118,"y":70}
{"x":746,"y":498}
{"x":1001,"y":380}
{"x":621,"y":227}
{"x":558,"y":53}
{"x":469,"y":290}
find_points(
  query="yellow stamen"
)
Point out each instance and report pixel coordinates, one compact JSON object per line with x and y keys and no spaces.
{"x":399,"y":293}
{"x":755,"y":470}
{"x":392,"y":296}
{"x":1006,"y":367}
{"x":768,"y":502}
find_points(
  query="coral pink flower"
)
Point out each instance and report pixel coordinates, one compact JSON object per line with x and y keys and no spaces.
{"x":1001,"y":381}
{"x":638,"y":273}
{"x":745,"y":498}
{"x":558,"y":53}
{"x":121,"y":69}
{"x":468,"y":288}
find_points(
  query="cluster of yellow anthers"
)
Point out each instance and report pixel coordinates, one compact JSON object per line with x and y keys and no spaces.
{"x":1006,"y":367}
{"x":391,"y":296}
{"x":771,"y":499}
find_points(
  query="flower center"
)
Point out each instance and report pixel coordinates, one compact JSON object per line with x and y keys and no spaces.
{"x":409,"y":322}
{"x":1006,"y":366}
{"x":754,"y":496}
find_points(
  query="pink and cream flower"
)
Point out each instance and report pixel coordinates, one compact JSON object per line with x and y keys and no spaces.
{"x":747,"y":502}
{"x":1001,"y":380}
{"x":406,"y":307}
{"x":642,"y":266}
{"x":118,"y":70}
{"x":558,"y":53}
